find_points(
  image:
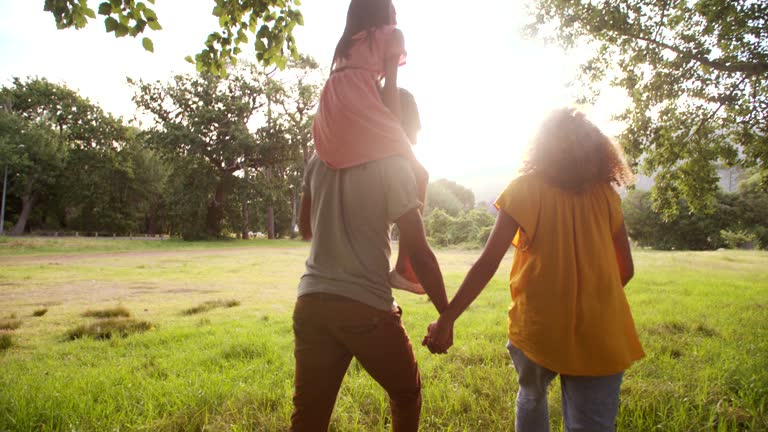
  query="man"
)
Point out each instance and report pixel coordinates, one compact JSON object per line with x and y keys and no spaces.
{"x":345,"y":306}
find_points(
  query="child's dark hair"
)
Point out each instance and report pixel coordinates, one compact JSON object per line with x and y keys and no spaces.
{"x":362,"y":15}
{"x":570,"y":152}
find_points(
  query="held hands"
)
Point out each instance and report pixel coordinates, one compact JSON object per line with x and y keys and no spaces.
{"x":439,"y":336}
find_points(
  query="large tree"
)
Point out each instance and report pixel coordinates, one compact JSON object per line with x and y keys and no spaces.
{"x":696,"y":75}
{"x":59,"y":128}
{"x":203,"y":129}
{"x":270,"y":21}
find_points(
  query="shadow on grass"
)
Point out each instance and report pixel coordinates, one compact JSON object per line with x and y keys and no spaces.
{"x":109,"y":328}
{"x":40,"y":312}
{"x":208,"y":305}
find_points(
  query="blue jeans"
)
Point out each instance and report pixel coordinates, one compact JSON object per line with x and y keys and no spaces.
{"x":590,"y":403}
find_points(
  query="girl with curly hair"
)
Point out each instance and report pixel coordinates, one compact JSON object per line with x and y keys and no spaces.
{"x":569,"y":315}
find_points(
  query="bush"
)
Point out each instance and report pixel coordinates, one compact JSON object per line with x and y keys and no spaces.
{"x":738,"y":240}
{"x":468,"y":228}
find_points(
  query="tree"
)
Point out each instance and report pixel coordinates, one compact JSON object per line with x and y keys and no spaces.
{"x":271,"y":21}
{"x":203,"y":131}
{"x":82,"y":134}
{"x":696,"y":74}
{"x":34,"y":156}
{"x":448,"y":196}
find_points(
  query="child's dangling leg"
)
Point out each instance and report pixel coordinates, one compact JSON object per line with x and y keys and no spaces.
{"x":403,"y":276}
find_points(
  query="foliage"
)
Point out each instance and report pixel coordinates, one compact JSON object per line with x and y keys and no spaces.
{"x":737,"y":219}
{"x":696,"y":75}
{"x":449,"y":196}
{"x":6,"y":341}
{"x":737,"y":240}
{"x":270,"y":21}
{"x":470,"y":227}
{"x":203,"y":131}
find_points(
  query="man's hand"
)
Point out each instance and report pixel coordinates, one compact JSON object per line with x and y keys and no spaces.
{"x":439,"y":336}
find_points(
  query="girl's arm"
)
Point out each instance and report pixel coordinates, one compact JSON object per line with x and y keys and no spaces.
{"x":440,"y":332}
{"x":390,"y":94}
{"x":623,"y":255}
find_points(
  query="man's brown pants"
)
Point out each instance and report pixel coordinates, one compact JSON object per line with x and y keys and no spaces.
{"x":329,"y":331}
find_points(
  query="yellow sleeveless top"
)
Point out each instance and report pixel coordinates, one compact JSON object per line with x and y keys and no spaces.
{"x":569,"y":312}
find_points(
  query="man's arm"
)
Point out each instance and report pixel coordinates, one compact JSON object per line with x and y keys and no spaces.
{"x":305,"y":219}
{"x":424,"y":263}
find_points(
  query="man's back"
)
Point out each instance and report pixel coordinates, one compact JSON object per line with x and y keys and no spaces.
{"x":352,"y":210}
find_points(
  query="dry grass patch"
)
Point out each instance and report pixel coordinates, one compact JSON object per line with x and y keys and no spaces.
{"x":40,"y":312}
{"x":115,"y":312}
{"x":10,"y":323}
{"x":6,"y":341}
{"x":208,"y":305}
{"x":109,"y":328}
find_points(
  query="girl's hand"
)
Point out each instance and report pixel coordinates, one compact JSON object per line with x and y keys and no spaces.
{"x":439,"y":336}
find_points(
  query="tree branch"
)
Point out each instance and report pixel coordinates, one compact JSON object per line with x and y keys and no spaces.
{"x":749,"y":69}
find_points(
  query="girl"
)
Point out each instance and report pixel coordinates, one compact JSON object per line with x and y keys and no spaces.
{"x":355,"y":123}
{"x":569,"y":315}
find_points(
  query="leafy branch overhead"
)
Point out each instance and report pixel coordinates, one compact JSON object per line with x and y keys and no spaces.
{"x":696,"y":77}
{"x":270,"y":22}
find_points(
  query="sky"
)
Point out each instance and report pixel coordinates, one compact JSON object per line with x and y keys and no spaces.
{"x":480,"y":85}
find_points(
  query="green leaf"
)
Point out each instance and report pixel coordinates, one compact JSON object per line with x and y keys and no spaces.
{"x":122,"y":30}
{"x":147,"y":44}
{"x":116,"y":4}
{"x":89,"y":13}
{"x":189,"y":59}
{"x":154,"y":25}
{"x":105,"y":9}
{"x":111,"y":24}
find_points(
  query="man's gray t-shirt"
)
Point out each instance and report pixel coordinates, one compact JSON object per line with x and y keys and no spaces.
{"x":352,"y":211}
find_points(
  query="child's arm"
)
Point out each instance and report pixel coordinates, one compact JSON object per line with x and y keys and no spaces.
{"x":390,"y":94}
{"x":481,"y":272}
{"x":623,"y":255}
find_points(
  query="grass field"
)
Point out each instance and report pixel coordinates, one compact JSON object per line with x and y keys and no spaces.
{"x":209,"y":342}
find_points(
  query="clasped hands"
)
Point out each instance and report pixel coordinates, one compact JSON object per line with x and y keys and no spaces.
{"x":439,"y":336}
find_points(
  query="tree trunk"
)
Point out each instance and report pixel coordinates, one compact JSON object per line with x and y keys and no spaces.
{"x":26,"y":208}
{"x":215,"y":211}
{"x":246,"y":221}
{"x":271,"y":222}
{"x":294,"y":211}
{"x":152,"y":220}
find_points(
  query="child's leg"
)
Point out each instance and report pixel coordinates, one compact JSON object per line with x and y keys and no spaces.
{"x":590,"y":403}
{"x":403,"y":265}
{"x":531,"y":413}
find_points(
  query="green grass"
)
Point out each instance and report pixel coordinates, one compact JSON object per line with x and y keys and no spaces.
{"x":24,"y":246}
{"x":39,"y":312}
{"x":702,"y":318}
